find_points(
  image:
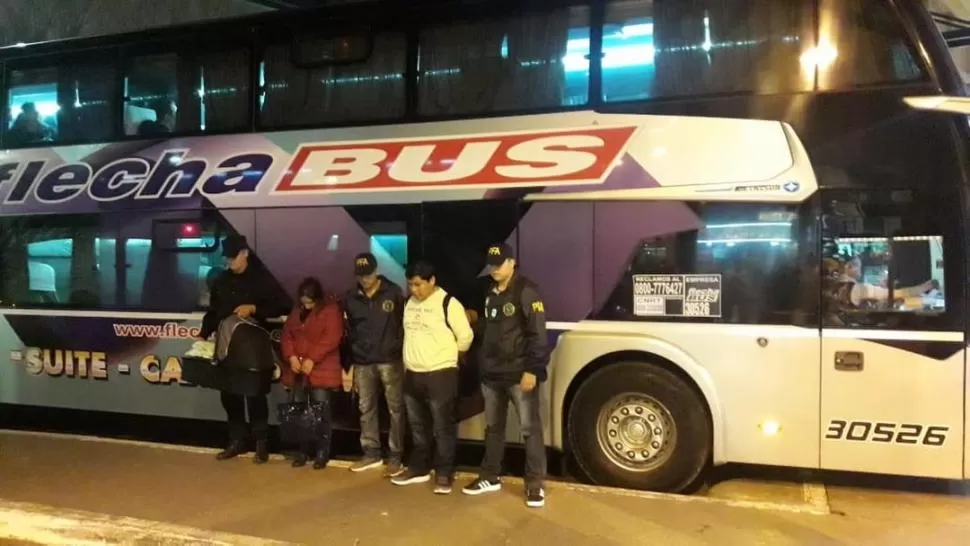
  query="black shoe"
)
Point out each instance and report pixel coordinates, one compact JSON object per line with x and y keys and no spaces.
{"x":321,"y":460}
{"x":410,"y":477}
{"x":442,"y":485}
{"x":367,"y":463}
{"x":535,"y":497}
{"x":300,"y":457}
{"x":262,"y":452}
{"x":482,"y":485}
{"x":235,"y":449}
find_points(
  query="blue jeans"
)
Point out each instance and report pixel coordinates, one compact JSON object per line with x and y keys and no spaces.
{"x":497,"y":398}
{"x":371,"y":380}
{"x":431,"y":405}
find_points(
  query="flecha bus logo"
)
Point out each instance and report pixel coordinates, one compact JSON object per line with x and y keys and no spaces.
{"x":522,"y":159}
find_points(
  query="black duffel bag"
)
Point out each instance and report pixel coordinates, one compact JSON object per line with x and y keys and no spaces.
{"x":303,"y":422}
{"x":203,"y":372}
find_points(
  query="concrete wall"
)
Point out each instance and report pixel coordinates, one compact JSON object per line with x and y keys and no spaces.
{"x":40,"y":20}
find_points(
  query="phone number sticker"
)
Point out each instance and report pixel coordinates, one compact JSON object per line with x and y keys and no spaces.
{"x":677,"y":295}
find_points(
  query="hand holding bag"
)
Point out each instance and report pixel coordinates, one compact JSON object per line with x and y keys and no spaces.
{"x":303,"y":422}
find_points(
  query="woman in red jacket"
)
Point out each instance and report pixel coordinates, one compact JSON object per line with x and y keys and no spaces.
{"x":311,"y":349}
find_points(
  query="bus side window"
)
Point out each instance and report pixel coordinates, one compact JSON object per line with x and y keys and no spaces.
{"x":369,"y":88}
{"x":58,"y":262}
{"x":872,"y":46}
{"x":884,"y":263}
{"x":729,"y":263}
{"x":339,"y":234}
{"x":152,"y":96}
{"x":171,"y":260}
{"x":221,"y":102}
{"x":187,"y":92}
{"x":656,"y":48}
{"x":530,"y":61}
{"x":65,"y":103}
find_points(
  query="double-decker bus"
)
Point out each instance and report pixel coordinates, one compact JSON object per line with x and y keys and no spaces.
{"x":750,"y":248}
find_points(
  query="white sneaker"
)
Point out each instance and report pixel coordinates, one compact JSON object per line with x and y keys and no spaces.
{"x":482,"y":485}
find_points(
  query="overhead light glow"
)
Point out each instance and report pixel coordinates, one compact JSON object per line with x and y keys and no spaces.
{"x":820,"y":57}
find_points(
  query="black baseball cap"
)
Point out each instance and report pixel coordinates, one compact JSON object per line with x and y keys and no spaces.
{"x":364,"y":264}
{"x":496,"y":255}
{"x":232,"y":245}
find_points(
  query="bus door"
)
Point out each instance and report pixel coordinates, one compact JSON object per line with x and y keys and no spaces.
{"x":959,"y":105}
{"x":893,"y":350}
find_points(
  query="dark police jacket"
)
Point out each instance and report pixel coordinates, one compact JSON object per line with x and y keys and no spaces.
{"x":375,"y":326}
{"x":513,"y":331}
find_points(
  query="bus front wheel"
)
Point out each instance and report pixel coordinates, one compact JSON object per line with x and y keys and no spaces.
{"x":639,"y":426}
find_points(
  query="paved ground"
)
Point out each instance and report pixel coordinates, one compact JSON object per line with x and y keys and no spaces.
{"x":59,"y":490}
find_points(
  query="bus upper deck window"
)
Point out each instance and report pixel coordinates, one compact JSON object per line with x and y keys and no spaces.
{"x":667,"y":49}
{"x":32,"y":96}
{"x":865,"y":44}
{"x":319,"y":51}
{"x":69,"y":102}
{"x":333,"y":77}
{"x":151,"y":96}
{"x":525,"y":61}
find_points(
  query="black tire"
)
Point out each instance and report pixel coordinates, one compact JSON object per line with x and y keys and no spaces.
{"x":690,"y":450}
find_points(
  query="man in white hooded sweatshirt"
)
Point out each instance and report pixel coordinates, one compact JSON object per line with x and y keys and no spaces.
{"x":436,"y":333}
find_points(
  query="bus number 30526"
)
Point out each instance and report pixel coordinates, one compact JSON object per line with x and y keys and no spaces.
{"x":880,"y":432}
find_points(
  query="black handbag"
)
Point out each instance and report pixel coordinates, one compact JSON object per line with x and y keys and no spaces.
{"x":303,"y":422}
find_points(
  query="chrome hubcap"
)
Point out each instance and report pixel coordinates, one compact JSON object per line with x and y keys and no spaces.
{"x":636,"y":432}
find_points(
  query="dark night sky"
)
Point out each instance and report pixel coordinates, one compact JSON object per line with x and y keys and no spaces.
{"x":40,"y":20}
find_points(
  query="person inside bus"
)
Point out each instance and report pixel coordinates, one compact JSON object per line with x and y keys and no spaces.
{"x":854,"y":292}
{"x":164,"y":122}
{"x":28,"y":128}
{"x":436,"y":336}
{"x":375,"y":310}
{"x":245,"y":290}
{"x":311,"y":354}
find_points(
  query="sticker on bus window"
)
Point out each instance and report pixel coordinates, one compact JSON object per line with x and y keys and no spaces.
{"x":677,"y":295}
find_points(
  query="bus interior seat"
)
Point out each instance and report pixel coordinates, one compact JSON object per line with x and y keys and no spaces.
{"x":134,"y":116}
{"x":42,"y":285}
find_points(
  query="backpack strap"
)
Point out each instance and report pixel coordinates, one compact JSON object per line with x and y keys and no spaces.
{"x":446,"y":303}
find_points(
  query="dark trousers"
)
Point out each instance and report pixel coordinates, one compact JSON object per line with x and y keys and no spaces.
{"x":371,"y":380}
{"x":236,"y":406}
{"x":431,"y":399}
{"x":497,"y":398}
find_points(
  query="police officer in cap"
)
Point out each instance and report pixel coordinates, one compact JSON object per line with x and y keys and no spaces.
{"x":375,"y":310}
{"x":512,"y":362}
